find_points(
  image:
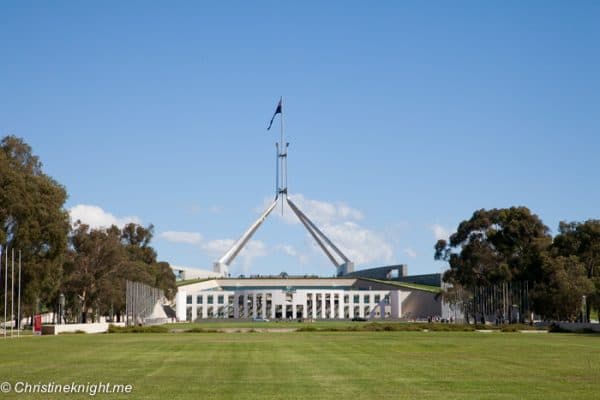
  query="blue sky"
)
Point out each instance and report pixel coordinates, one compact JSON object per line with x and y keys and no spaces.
{"x":403,"y":118}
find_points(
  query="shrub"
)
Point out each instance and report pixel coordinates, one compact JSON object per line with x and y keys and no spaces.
{"x":77,"y":332}
{"x":517,"y":327}
{"x":200,"y":330}
{"x":138,"y":329}
{"x":307,"y":329}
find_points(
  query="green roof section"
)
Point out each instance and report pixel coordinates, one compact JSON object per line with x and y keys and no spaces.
{"x":406,"y":285}
{"x":191,"y":281}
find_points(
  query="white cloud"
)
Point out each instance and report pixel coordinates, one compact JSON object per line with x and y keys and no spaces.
{"x":96,"y":217}
{"x":411,"y":253}
{"x":182,"y":237}
{"x":361,"y":245}
{"x":287,"y":249}
{"x":320,"y":212}
{"x":439,"y":232}
{"x":217,"y":247}
{"x":340,"y":223}
{"x":253,"y":249}
{"x":291,"y":251}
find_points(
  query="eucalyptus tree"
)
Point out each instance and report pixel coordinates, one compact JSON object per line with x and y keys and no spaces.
{"x":33,"y":220}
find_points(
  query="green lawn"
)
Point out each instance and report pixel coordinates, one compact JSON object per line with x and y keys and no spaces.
{"x":313,"y":365}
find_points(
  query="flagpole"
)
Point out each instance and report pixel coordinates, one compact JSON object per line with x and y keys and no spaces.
{"x":281,"y":149}
{"x":5,"y":289}
{"x":12,"y":294}
{"x":1,"y":271}
{"x":19,"y":299}
{"x":276,"y":170}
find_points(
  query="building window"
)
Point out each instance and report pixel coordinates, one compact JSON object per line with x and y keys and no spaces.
{"x":356,"y":298}
{"x":220,"y":299}
{"x":346,"y":299}
{"x":366,"y":298}
{"x":188,"y":313}
{"x":188,"y":299}
{"x":377,"y":297}
{"x":199,"y":299}
{"x":209,"y":299}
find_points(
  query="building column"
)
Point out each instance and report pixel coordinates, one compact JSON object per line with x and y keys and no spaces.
{"x":396,"y":303}
{"x":245,"y":306}
{"x":323,"y":307}
{"x":305,"y":307}
{"x":273,"y":307}
{"x":236,"y":306}
{"x":253,"y":305}
{"x":314,"y":306}
{"x":180,"y":305}
{"x":351,"y":305}
{"x":341,"y":305}
{"x":361,"y":306}
{"x":331,"y":305}
{"x":263,"y":303}
{"x":294,"y":316}
{"x":204,"y":307}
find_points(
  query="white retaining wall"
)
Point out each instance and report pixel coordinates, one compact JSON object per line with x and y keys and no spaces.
{"x":99,"y":327}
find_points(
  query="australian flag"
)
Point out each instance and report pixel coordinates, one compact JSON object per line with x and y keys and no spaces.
{"x":277,"y":111}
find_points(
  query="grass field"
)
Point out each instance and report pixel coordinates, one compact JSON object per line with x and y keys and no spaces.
{"x":313,"y":365}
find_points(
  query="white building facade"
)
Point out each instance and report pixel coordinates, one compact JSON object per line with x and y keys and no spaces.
{"x":293,"y":298}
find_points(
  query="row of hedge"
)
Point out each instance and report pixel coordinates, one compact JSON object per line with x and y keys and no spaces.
{"x":368,"y":327}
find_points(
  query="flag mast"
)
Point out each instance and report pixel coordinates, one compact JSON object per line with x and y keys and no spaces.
{"x":5,"y":288}
{"x":12,"y":294}
{"x":19,"y":300}
{"x":283,"y":156}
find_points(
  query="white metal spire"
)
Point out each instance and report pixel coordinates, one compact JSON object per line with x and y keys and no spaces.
{"x":343,"y":266}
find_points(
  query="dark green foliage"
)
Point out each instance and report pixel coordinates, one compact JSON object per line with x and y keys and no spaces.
{"x":101,"y":260}
{"x":33,"y":220}
{"x":394,"y":327}
{"x":91,"y":267}
{"x":517,"y":327}
{"x":200,"y":330}
{"x":138,"y":329}
{"x":558,"y":296}
{"x":583,"y":240}
{"x":501,"y":246}
{"x":495,"y":246}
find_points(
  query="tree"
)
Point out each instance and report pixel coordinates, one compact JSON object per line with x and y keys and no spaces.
{"x":490,"y":256}
{"x":459,"y":298}
{"x":136,"y":239}
{"x":33,"y":220}
{"x":100,"y":262}
{"x":97,"y":256}
{"x":495,"y":246}
{"x":558,"y":295}
{"x":583,"y":240}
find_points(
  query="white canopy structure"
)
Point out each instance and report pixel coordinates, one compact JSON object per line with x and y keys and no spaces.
{"x":342,"y":263}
